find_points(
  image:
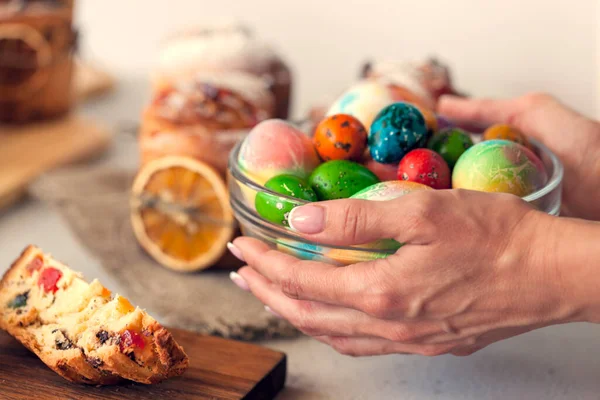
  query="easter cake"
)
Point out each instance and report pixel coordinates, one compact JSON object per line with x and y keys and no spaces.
{"x":79,"y":329}
{"x":224,"y":46}
{"x":204,"y":116}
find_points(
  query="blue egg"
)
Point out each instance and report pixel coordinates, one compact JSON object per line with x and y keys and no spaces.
{"x":304,"y":251}
{"x":396,"y":130}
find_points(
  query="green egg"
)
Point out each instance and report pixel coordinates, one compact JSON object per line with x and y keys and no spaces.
{"x":450,"y":143}
{"x":277,"y":209}
{"x":340,"y":179}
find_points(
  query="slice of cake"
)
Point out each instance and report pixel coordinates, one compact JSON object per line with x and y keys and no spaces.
{"x":79,"y":329}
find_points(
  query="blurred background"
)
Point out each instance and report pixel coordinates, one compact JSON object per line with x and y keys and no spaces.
{"x":494,"y":48}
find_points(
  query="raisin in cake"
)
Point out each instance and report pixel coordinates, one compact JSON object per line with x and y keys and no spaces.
{"x":79,"y":329}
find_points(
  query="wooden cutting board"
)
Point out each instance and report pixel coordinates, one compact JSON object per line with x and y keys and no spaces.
{"x":90,"y":81}
{"x":29,"y":150}
{"x":219,"y":369}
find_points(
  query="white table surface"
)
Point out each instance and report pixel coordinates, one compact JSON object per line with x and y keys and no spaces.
{"x":561,"y":362}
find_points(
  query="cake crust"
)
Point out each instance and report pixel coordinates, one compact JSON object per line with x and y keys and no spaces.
{"x":80,"y":330}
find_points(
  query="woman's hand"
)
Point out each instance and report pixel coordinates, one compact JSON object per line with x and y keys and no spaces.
{"x":573,"y":137}
{"x":475,"y":268}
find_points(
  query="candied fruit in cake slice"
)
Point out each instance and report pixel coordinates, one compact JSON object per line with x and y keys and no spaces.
{"x":78,"y":330}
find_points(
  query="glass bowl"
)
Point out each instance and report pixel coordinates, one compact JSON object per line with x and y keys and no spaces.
{"x":243,"y":191}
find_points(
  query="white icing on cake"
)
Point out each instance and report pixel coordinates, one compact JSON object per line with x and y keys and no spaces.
{"x":219,"y":46}
{"x":254,"y":89}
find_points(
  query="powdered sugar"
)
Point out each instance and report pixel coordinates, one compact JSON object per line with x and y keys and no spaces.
{"x":221,"y":46}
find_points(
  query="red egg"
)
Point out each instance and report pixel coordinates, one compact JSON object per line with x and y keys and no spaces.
{"x":425,"y":166}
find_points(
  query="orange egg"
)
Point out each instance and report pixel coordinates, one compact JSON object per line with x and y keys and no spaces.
{"x":430,"y":118}
{"x":506,"y":132}
{"x":340,"y":137}
{"x":400,"y":93}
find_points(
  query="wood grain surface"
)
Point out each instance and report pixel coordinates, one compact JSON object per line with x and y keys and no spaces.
{"x":219,"y":369}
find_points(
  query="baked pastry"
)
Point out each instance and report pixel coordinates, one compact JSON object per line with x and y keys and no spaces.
{"x":79,"y":330}
{"x":221,"y":47}
{"x":36,"y":47}
{"x":429,"y":79}
{"x":203,"y":117}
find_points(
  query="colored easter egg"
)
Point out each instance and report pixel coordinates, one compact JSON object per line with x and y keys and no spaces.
{"x":275,"y":208}
{"x":385,"y":172}
{"x":349,"y":257}
{"x":390,"y":190}
{"x":340,"y":179}
{"x":430,"y":118}
{"x":499,"y":166}
{"x":405,"y":94}
{"x":397,"y":129}
{"x":273,"y":148}
{"x":382,"y":191}
{"x":365,"y":99}
{"x":302,"y":250}
{"x":431,"y":123}
{"x":444,"y":123}
{"x":425,"y":166}
{"x":450,"y":144}
{"x":340,"y":137}
{"x":506,"y":132}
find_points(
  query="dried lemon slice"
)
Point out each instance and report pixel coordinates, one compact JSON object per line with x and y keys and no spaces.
{"x":180,"y":213}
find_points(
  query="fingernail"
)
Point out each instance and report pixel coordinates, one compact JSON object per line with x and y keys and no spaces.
{"x":268,"y":309}
{"x":307,"y":219}
{"x":235,"y":251}
{"x":239,"y":281}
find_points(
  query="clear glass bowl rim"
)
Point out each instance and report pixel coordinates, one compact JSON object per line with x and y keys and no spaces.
{"x":234,"y":170}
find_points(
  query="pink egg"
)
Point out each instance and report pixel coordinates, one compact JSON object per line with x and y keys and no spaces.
{"x":274,"y":147}
{"x":385,"y":172}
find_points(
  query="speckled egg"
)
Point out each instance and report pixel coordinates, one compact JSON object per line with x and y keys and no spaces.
{"x":340,"y":179}
{"x":277,"y":209}
{"x":425,"y":166}
{"x":367,"y":98}
{"x":274,"y":147}
{"x":340,"y":137}
{"x":397,"y":129}
{"x":499,"y":166}
{"x":450,"y":144}
{"x":506,"y":132}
